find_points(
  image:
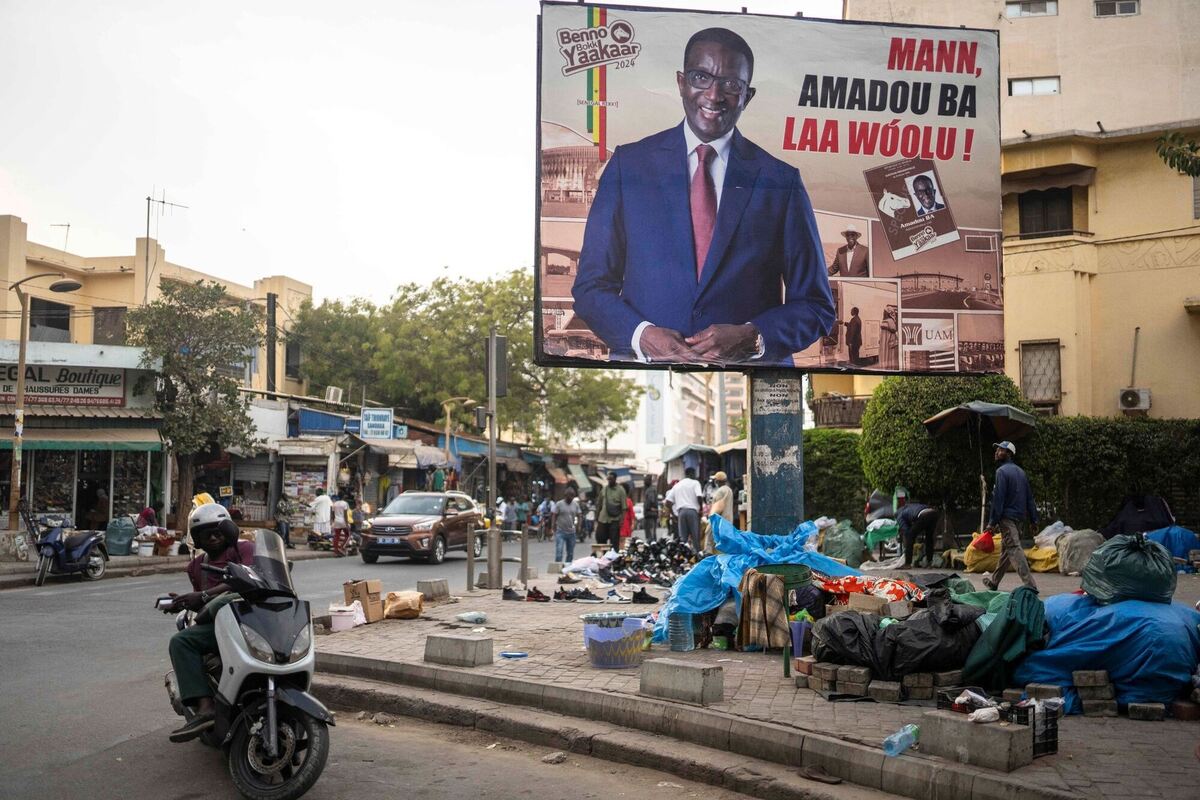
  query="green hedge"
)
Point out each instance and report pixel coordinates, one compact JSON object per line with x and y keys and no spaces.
{"x":834,"y":484}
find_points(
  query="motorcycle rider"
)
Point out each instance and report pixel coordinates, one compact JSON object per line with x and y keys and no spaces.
{"x":215,"y":536}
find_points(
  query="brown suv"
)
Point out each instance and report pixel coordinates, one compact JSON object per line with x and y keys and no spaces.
{"x":423,"y":525}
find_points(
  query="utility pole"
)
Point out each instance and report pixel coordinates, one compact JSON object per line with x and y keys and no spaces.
{"x":776,"y":451}
{"x":272,"y":298}
{"x":495,"y":578}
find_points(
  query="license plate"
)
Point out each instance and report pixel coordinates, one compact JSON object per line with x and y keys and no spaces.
{"x":388,"y":540}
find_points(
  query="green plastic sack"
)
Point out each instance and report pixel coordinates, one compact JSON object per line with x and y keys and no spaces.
{"x":1130,"y":567}
{"x":882,"y":534}
{"x":845,"y":543}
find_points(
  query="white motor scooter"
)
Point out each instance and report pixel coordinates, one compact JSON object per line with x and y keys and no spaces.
{"x":273,"y":731}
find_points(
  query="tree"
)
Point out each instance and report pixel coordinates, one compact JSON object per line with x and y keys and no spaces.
{"x":1179,"y":153}
{"x":834,"y":485}
{"x":202,"y":336}
{"x":336,"y":339}
{"x":897,"y":450}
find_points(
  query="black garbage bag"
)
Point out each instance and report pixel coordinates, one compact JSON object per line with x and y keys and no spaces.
{"x":811,"y":599}
{"x":935,"y":639}
{"x":1130,"y":567}
{"x":848,"y":637}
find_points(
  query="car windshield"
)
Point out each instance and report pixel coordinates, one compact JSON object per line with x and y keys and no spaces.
{"x":422,"y":504}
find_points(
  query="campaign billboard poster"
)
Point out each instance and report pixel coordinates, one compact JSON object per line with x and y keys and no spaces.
{"x":749,"y":192}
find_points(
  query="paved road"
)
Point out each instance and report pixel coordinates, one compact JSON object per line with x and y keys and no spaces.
{"x":81,"y":664}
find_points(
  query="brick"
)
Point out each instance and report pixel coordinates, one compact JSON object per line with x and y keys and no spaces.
{"x":804,"y":665}
{"x":1148,"y":712}
{"x":801,"y":681}
{"x":821,"y":685}
{"x":920,"y":692}
{"x":885,"y":691}
{"x":999,"y":746}
{"x":898,"y":609}
{"x":1104,"y":692}
{"x":1013,"y":695}
{"x":1043,"y":691}
{"x":854,"y":675}
{"x":849,"y":687}
{"x":952,"y":678}
{"x":1185,"y":710}
{"x":1095,"y":677}
{"x":1099,"y":708}
{"x":825,"y":671}
{"x":921,"y":679}
{"x":458,"y":651}
{"x":676,"y":679}
{"x":868,"y":603}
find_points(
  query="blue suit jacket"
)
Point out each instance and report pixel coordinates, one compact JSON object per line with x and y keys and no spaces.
{"x":764,"y":265}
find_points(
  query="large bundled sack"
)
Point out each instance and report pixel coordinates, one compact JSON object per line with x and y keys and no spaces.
{"x":1042,"y":559}
{"x":403,"y":605}
{"x":1130,"y":567}
{"x":845,"y":543}
{"x":848,"y":638}
{"x":1075,"y":549}
{"x":1018,"y":628}
{"x":978,"y":559}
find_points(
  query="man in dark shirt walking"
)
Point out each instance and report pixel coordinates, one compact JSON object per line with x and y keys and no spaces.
{"x":650,"y":509}
{"x":1012,"y":504}
{"x":916,"y":519}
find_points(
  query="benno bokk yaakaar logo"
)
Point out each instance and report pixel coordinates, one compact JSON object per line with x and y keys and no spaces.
{"x":584,"y":48}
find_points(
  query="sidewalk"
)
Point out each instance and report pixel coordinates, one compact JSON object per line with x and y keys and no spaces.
{"x":1097,"y":758}
{"x":21,"y":573}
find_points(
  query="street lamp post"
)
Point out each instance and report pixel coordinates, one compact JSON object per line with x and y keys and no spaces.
{"x":446,"y":404}
{"x":63,"y":284}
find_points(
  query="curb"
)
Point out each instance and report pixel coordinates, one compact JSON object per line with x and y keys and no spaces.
{"x":583,"y":737}
{"x":908,"y":775}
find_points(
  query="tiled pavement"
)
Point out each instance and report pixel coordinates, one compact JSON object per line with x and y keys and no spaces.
{"x":1097,"y":758}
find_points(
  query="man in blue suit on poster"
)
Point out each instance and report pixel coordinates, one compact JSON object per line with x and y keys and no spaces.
{"x":700,"y":247}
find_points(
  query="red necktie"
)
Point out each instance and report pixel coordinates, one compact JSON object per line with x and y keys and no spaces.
{"x":704,"y":206}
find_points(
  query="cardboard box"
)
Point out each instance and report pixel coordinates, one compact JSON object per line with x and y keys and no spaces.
{"x":369,"y":593}
{"x":868,"y":602}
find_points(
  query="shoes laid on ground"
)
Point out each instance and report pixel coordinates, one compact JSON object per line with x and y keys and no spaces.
{"x":616,"y":597}
{"x":512,"y":594}
{"x":639,"y":577}
{"x":989,"y":583}
{"x":535,"y":595}
{"x":642,"y":596}
{"x":586,"y":596}
{"x":597,"y":584}
{"x":567,"y":577}
{"x":194,"y":727}
{"x":563,"y":596}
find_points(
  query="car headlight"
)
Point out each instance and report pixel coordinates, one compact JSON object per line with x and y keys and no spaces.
{"x":424,"y":526}
{"x":257,"y":644}
{"x":301,"y":645}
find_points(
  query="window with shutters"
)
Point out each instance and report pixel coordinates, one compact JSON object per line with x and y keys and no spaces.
{"x":1196,"y":197}
{"x":1041,"y":375}
{"x":1023,"y":87}
{"x":49,"y":321}
{"x":1031,"y":8}
{"x":1117,"y":8}
{"x":108,"y":325}
{"x":1045,"y":213}
{"x":291,"y":360}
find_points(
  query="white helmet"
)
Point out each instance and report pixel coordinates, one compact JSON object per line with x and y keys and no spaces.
{"x":209,"y":517}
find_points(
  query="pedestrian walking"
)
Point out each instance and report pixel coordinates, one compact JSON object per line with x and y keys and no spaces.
{"x":523,"y":511}
{"x":340,"y":524}
{"x":916,"y":519}
{"x":650,"y":509}
{"x":1012,"y":504}
{"x":564,"y":518}
{"x":283,"y":519}
{"x":438,"y":480}
{"x":321,"y":508}
{"x":610,"y":509}
{"x":589,"y":516}
{"x":509,"y":514}
{"x":684,"y":500}
{"x":545,"y":510}
{"x":628,"y":521}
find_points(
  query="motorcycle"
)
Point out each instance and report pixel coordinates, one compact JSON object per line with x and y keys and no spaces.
{"x":83,"y":553}
{"x":273,"y":732}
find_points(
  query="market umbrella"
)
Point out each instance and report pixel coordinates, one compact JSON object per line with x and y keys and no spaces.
{"x":993,"y":421}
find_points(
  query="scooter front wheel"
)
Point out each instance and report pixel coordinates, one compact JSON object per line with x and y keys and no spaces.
{"x":43,"y":568}
{"x":303,"y":748}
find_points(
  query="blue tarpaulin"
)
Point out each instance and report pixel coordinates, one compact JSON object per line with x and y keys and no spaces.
{"x":1178,"y":541}
{"x":715,"y":579}
{"x":1149,"y":649}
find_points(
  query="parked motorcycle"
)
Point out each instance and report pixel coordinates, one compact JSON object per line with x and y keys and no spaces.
{"x":59,"y":553}
{"x":274,"y":733}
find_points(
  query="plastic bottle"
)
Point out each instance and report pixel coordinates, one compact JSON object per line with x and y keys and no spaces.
{"x":901,"y":740}
{"x":679,"y":632}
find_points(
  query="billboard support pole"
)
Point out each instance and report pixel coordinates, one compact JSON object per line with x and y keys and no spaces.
{"x":495,"y":579}
{"x":776,"y":452}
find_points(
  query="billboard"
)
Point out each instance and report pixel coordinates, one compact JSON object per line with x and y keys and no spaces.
{"x":742,"y":191}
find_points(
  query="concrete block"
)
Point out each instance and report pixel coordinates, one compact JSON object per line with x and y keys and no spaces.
{"x":852,"y":762}
{"x":554,"y":568}
{"x":849,"y":687}
{"x":456,"y":650}
{"x":1043,"y":691}
{"x":911,"y":777}
{"x":898,"y":609}
{"x":919,"y":692}
{"x":1013,"y":695}
{"x":436,"y":589}
{"x":801,"y":681}
{"x":777,"y":743}
{"x":868,"y":603}
{"x":676,"y":679}
{"x":1104,"y":692}
{"x":854,"y":675}
{"x":952,"y":678}
{"x":831,"y":610}
{"x":1091,"y":677}
{"x":825,"y":670}
{"x":820,"y":684}
{"x":804,"y":665}
{"x":885,"y":691}
{"x":700,"y":726}
{"x":998,"y":746}
{"x":530,"y":574}
{"x":1148,"y":712}
{"x":917,"y":679}
{"x":1185,"y":710}
{"x":1099,"y":708}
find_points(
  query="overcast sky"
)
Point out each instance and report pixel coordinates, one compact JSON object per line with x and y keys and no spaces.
{"x":352,"y":145}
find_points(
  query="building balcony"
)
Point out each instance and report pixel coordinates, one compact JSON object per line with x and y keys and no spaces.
{"x":838,"y":411}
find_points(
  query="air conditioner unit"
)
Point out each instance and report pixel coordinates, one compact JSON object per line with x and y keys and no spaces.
{"x":1134,"y":399}
{"x":333,"y":394}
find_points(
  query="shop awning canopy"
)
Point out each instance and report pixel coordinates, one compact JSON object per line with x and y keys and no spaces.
{"x":86,"y":412}
{"x":87,"y":439}
{"x":308,"y":446}
{"x":514,"y":464}
{"x":556,"y":473}
{"x":722,"y":449}
{"x":581,"y":477}
{"x":672,"y":453}
{"x":431,"y":456}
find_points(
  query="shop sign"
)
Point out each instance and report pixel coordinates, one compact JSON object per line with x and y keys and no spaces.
{"x":399,"y":431}
{"x":376,"y":423}
{"x":70,"y":386}
{"x":226,"y":491}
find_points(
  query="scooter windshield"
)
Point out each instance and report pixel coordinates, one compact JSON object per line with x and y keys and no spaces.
{"x":270,"y":563}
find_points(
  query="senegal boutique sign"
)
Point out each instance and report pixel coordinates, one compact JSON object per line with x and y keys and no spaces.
{"x":75,"y":386}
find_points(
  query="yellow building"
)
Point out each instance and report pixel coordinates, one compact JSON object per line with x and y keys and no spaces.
{"x":1101,"y":239}
{"x":95,"y":313}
